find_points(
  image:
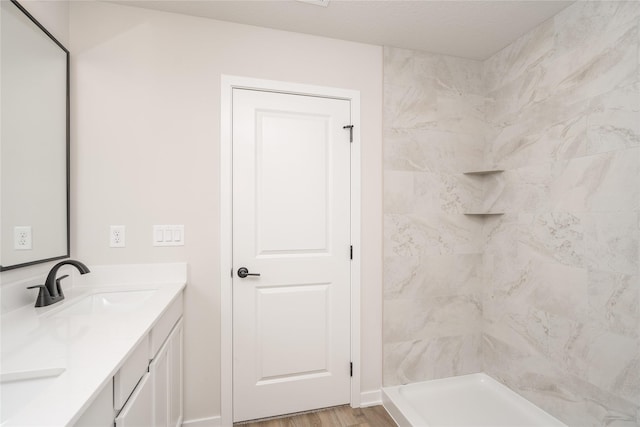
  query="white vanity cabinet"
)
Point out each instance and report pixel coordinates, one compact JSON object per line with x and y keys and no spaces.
{"x":147,"y":389}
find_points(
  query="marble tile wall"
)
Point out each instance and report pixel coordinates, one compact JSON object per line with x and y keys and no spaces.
{"x":545,"y":298}
{"x":562,"y":286}
{"x":434,"y":127}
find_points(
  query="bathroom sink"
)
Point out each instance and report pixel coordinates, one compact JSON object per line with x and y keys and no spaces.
{"x":108,"y":302}
{"x":19,"y":388}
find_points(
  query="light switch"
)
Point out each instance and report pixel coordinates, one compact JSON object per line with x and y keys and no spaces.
{"x":168,"y":235}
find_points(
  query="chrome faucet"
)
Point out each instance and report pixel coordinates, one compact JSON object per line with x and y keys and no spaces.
{"x":51,"y":291}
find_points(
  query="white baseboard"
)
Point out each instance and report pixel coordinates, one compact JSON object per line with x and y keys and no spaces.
{"x":367,"y":398}
{"x":203,"y":422}
{"x":370,"y":398}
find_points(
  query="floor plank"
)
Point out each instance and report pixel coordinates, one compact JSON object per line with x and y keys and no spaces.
{"x":339,"y":416}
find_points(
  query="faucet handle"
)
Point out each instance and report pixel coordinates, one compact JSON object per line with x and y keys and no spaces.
{"x":44,"y":298}
{"x":59,"y":286}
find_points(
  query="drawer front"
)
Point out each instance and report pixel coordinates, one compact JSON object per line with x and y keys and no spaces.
{"x":100,"y":413}
{"x":163,"y":326}
{"x":139,"y":409}
{"x":125,"y":380}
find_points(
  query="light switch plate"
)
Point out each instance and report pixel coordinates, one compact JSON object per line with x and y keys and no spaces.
{"x":168,"y":235}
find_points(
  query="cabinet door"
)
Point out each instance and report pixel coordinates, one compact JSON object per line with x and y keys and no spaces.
{"x":175,"y":372}
{"x":159,"y":370}
{"x":138,"y":411}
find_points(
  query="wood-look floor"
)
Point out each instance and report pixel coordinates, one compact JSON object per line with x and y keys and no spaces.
{"x":339,"y":416}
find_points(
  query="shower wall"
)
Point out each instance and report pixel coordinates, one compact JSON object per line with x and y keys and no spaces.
{"x":545,"y":297}
{"x":433,"y":131}
{"x":561,"y":296}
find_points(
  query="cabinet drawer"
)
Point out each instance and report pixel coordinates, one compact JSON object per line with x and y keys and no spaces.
{"x":125,"y":380}
{"x":100,"y":413}
{"x":163,"y":326}
{"x":138,"y":410}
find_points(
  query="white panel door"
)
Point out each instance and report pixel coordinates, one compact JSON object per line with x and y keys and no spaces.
{"x":291,"y":201}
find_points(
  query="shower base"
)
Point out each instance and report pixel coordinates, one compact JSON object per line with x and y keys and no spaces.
{"x":468,"y":400}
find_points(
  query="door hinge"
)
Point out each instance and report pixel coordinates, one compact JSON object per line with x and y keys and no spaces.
{"x":351,"y":252}
{"x":351,"y":369}
{"x":350,"y":127}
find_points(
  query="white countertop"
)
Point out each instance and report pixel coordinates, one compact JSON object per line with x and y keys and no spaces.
{"x":90,"y":347}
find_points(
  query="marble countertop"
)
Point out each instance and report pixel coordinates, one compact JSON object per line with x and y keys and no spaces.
{"x":89,"y":347}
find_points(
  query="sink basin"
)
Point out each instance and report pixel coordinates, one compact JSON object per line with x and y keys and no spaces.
{"x":19,"y":388}
{"x":108,"y":302}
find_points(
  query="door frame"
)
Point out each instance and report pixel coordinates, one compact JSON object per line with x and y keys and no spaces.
{"x":228,"y":83}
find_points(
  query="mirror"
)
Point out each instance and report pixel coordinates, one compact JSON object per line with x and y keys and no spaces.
{"x":34,"y":141}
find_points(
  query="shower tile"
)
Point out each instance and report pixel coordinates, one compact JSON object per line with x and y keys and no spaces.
{"x":524,"y":189}
{"x":436,"y":317}
{"x":540,"y":133}
{"x":614,"y":302}
{"x":410,"y":104}
{"x":598,"y":22}
{"x":581,"y":74}
{"x":433,"y":275}
{"x":430,"y":234}
{"x":421,"y":360}
{"x":423,"y":150}
{"x":462,"y":113}
{"x":612,"y":242}
{"x":521,"y":56}
{"x":597,"y":183}
{"x":613,"y":122}
{"x":559,"y":289}
{"x":553,"y":236}
{"x":445,"y":192}
{"x":398,"y":192}
{"x":555,"y":279}
{"x":545,"y":383}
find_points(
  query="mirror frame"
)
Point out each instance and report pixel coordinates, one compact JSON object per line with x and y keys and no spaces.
{"x":68,"y":147}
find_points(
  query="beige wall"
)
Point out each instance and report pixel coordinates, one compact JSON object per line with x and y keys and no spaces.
{"x":53,"y":15}
{"x":145,"y":144}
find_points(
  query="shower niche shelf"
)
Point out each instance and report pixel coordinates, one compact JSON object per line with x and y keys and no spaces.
{"x":482,"y":173}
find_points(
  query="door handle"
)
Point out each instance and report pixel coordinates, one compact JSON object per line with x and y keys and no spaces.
{"x":244,"y":272}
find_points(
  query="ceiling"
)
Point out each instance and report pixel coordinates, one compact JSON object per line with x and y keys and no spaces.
{"x":473,"y":29}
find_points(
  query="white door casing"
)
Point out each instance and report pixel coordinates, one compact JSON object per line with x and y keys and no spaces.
{"x":291,"y":159}
{"x":287,"y":253}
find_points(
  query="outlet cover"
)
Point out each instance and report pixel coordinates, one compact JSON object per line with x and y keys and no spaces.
{"x":116,"y":236}
{"x":22,"y":240}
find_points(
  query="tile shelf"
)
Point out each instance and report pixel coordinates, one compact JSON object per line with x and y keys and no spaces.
{"x":483,"y":213}
{"x":483,"y":172}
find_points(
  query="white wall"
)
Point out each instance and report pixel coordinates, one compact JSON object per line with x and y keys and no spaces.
{"x":145,"y":143}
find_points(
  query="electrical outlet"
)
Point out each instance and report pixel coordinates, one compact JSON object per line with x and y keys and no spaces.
{"x":22,"y":240}
{"x":116,"y":236}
